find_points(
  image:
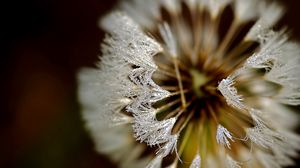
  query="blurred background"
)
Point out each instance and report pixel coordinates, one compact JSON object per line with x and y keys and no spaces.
{"x":43,"y":45}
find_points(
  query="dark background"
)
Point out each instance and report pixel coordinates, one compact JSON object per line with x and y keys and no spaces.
{"x":43,"y":44}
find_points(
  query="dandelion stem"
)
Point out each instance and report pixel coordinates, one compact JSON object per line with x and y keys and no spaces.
{"x":179,"y":92}
{"x":232,"y":32}
{"x":170,"y":88}
{"x":191,"y":113}
{"x":169,"y":104}
{"x":178,"y":110}
{"x":212,"y":112}
{"x":185,"y":138}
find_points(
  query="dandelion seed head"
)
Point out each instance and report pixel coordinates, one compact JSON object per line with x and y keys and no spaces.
{"x":178,"y":85}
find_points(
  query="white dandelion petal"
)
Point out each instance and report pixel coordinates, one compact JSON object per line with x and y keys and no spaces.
{"x":231,"y":163}
{"x":168,"y":147}
{"x":271,"y":51}
{"x":264,"y":137}
{"x":246,"y":10}
{"x":286,"y":74}
{"x":270,"y":14}
{"x":192,"y":4}
{"x":267,"y":160}
{"x":153,"y":132}
{"x":90,"y":87}
{"x":256,"y":116}
{"x":142,"y":11}
{"x":281,"y":116}
{"x":169,"y":39}
{"x":230,"y":93}
{"x":196,"y":163}
{"x":128,"y":41}
{"x":223,"y":135}
{"x":216,"y":6}
{"x":172,"y":5}
{"x":156,"y":162}
{"x":283,"y":158}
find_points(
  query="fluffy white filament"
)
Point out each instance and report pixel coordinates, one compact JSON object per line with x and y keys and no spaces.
{"x":129,"y":42}
{"x":230,"y":93}
{"x":223,"y":135}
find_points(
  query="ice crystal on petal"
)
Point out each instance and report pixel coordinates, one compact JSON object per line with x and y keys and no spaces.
{"x":129,"y":42}
{"x":196,"y":162}
{"x":264,"y":137}
{"x":223,"y":135}
{"x":168,"y":147}
{"x":230,"y":93}
{"x":270,"y":15}
{"x":270,"y":52}
{"x":153,"y":132}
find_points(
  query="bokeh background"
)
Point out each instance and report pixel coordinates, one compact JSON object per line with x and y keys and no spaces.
{"x":43,"y":45}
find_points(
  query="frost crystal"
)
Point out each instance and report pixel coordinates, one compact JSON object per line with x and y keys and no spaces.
{"x":223,"y":135}
{"x":153,"y":132}
{"x":127,"y":41}
{"x":196,"y":162}
{"x":230,"y":93}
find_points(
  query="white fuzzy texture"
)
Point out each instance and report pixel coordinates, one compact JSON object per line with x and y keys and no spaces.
{"x":144,"y":12}
{"x":270,"y":14}
{"x":230,"y":93}
{"x":286,"y":73}
{"x":281,"y":116}
{"x":169,"y":146}
{"x":283,"y":144}
{"x":196,"y":163}
{"x":216,"y":6}
{"x":118,"y":86}
{"x":267,"y":160}
{"x":128,"y":42}
{"x":270,"y":52}
{"x":155,"y":163}
{"x":97,"y":106}
{"x":281,"y":59}
{"x":172,"y":5}
{"x":261,"y":134}
{"x":246,"y":10}
{"x":153,"y":132}
{"x":223,"y":135}
{"x":192,"y":4}
{"x":231,"y":163}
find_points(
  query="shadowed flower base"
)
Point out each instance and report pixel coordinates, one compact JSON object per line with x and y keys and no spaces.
{"x":212,"y":86}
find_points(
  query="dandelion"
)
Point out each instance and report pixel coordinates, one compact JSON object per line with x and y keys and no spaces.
{"x":194,"y":83}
